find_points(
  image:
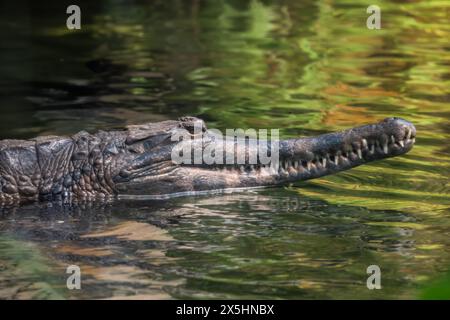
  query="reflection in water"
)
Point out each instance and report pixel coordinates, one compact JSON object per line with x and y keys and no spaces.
{"x":271,"y":243}
{"x":306,"y":67}
{"x":132,"y":230}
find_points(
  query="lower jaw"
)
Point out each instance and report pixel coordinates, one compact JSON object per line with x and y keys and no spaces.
{"x":292,"y":175}
{"x":197,"y":179}
{"x":234,"y":181}
{"x":317,"y":170}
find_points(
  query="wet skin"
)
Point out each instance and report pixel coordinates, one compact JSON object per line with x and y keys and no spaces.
{"x":137,"y":161}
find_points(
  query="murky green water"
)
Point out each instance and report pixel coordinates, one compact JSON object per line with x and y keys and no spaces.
{"x":306,"y":67}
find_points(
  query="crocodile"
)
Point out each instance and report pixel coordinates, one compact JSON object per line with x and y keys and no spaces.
{"x":137,"y":161}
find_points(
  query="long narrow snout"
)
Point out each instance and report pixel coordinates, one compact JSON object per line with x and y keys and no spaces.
{"x":308,"y":158}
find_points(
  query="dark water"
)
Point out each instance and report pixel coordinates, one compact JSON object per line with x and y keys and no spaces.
{"x":306,"y":67}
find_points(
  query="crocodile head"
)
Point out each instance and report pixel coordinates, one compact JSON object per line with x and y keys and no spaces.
{"x":147,"y":166}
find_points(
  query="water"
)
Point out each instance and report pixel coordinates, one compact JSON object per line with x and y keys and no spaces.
{"x":306,"y":67}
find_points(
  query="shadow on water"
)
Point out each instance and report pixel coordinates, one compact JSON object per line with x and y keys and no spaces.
{"x":265,"y":244}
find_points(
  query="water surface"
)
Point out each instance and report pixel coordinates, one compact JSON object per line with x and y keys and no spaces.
{"x":305,"y":67}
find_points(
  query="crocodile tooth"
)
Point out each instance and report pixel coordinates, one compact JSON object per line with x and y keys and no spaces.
{"x":413,"y":140}
{"x":392,"y":139}
{"x":336,"y":159}
{"x":295,"y":164}
{"x":408,"y":135}
{"x":385,"y":148}
{"x":364,"y":143}
{"x":309,"y":165}
{"x":324,"y":162}
{"x":402,"y":143}
{"x":372,"y":149}
{"x":359,"y":153}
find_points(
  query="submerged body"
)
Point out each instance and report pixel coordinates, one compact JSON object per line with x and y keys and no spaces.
{"x":138,"y":161}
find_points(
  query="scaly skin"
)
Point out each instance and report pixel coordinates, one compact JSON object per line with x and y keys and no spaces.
{"x":137,"y":161}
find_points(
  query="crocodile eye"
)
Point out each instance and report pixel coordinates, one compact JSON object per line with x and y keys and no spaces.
{"x":193,"y":125}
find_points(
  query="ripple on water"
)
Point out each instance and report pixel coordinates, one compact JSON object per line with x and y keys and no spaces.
{"x":304,"y":67}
